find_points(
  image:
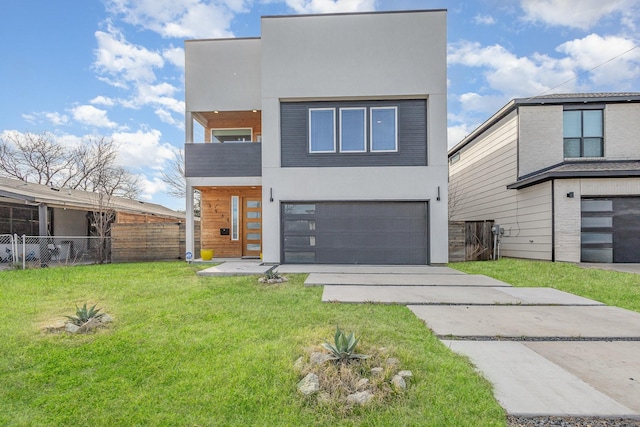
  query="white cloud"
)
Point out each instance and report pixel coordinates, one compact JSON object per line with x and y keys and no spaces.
{"x":484,"y":19}
{"x":103,"y":100}
{"x":331,"y":6}
{"x":92,"y":116}
{"x":174,"y":55}
{"x":142,"y":149}
{"x":122,"y":61}
{"x":180,"y":18}
{"x":509,"y":74}
{"x":54,"y":118}
{"x":569,"y":13}
{"x":151,"y":187}
{"x":456,"y":134}
{"x":621,"y":73}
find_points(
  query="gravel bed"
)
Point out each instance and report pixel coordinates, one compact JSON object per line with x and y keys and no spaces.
{"x":513,"y":421}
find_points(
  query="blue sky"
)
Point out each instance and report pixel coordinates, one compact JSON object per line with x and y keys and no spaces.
{"x":115,"y":68}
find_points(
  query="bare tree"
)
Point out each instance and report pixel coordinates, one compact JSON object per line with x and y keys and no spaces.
{"x":173,"y":176}
{"x":90,"y":166}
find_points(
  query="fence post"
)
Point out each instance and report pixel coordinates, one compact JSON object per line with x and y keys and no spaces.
{"x":24,"y":252}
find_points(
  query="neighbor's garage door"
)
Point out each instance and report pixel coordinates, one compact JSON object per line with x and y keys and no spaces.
{"x":610,"y":229}
{"x":355,"y":232}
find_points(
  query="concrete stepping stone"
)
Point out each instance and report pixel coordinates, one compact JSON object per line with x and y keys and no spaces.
{"x":321,"y":279}
{"x":450,"y":295}
{"x":612,"y":367}
{"x":519,"y":321}
{"x":528,"y":384}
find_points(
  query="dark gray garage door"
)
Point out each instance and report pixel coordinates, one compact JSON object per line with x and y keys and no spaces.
{"x":355,"y":232}
{"x":610,"y":229}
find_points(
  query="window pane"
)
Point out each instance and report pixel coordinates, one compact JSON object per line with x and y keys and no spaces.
{"x":253,"y":247}
{"x":253,"y":203}
{"x":572,"y":147}
{"x":597,"y":238}
{"x":597,"y":205}
{"x":253,"y":236}
{"x":352,"y":129}
{"x":299,"y":209}
{"x":234,"y":217}
{"x":593,"y":147}
{"x":572,"y":124}
{"x":253,"y":225}
{"x":322,"y":130}
{"x":597,"y":255}
{"x":383,"y":129}
{"x":230,"y":135}
{"x":592,"y":122}
{"x":300,"y":241}
{"x":299,"y":225}
{"x":253,"y":215}
{"x":597,"y":221}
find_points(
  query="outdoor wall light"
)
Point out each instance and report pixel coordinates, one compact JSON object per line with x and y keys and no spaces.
{"x":570,"y":194}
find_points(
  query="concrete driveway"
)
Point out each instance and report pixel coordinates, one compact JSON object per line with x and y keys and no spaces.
{"x":546,"y":352}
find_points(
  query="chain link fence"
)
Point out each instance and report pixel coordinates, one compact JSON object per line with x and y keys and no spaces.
{"x":35,"y":251}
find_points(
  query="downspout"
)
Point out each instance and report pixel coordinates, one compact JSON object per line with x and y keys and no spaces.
{"x":553,"y":220}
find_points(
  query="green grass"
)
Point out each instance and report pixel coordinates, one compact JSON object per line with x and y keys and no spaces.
{"x":199,"y":351}
{"x":610,"y":287}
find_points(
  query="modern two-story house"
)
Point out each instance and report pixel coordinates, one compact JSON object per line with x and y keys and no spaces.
{"x":323,"y":141}
{"x":560,"y":174}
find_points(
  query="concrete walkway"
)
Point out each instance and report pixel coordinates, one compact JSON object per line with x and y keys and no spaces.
{"x":546,"y":352}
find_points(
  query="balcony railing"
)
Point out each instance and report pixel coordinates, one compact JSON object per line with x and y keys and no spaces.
{"x":229,"y":159}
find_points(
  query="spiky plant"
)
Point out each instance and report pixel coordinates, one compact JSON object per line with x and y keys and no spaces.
{"x":342,"y":350}
{"x":272,"y":274}
{"x":84,"y":314}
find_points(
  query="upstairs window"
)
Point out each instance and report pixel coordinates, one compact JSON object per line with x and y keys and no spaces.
{"x":322,"y":130}
{"x":384,"y":129}
{"x":231,"y":135}
{"x":583,"y":133}
{"x":353,"y":130}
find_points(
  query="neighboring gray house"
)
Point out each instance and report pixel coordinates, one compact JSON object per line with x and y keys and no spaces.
{"x":560,"y":173}
{"x":324,"y":139}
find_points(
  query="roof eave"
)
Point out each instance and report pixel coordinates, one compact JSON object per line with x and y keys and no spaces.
{"x":538,"y":179}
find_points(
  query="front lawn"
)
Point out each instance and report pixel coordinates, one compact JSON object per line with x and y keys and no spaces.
{"x":200,"y":351}
{"x":609,"y":287}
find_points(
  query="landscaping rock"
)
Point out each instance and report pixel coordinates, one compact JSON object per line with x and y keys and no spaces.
{"x":309,"y":384}
{"x":360,"y":398}
{"x":106,"y":319}
{"x":318,"y":358}
{"x":90,"y":325}
{"x":70,"y":327}
{"x":377,"y":371}
{"x":406,"y":374}
{"x":362,"y":383}
{"x":56,"y":327}
{"x":398,"y":382}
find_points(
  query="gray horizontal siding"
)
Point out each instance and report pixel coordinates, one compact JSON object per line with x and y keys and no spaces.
{"x":412,"y":136}
{"x":223,"y":160}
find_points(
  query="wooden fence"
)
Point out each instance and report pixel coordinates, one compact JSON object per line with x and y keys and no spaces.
{"x":470,"y":241}
{"x":163,"y":241}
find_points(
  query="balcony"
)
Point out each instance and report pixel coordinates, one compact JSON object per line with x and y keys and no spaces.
{"x":230,"y":159}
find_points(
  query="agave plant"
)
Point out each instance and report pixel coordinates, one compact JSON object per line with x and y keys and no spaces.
{"x":272,"y":274}
{"x":343,"y":348}
{"x":84,"y":314}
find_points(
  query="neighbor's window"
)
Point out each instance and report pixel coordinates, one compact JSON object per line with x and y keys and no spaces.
{"x":384,"y":129}
{"x":353,"y":130}
{"x":583,"y":134}
{"x":231,"y":135}
{"x":234,"y":217}
{"x":322,"y":130}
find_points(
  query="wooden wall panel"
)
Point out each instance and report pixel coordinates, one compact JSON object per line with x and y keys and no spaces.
{"x":216,"y":214}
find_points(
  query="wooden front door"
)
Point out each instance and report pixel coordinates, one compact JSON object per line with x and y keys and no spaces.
{"x":251,"y":226}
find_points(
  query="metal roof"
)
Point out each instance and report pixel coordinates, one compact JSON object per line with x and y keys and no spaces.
{"x":33,"y":194}
{"x":596,"y":169}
